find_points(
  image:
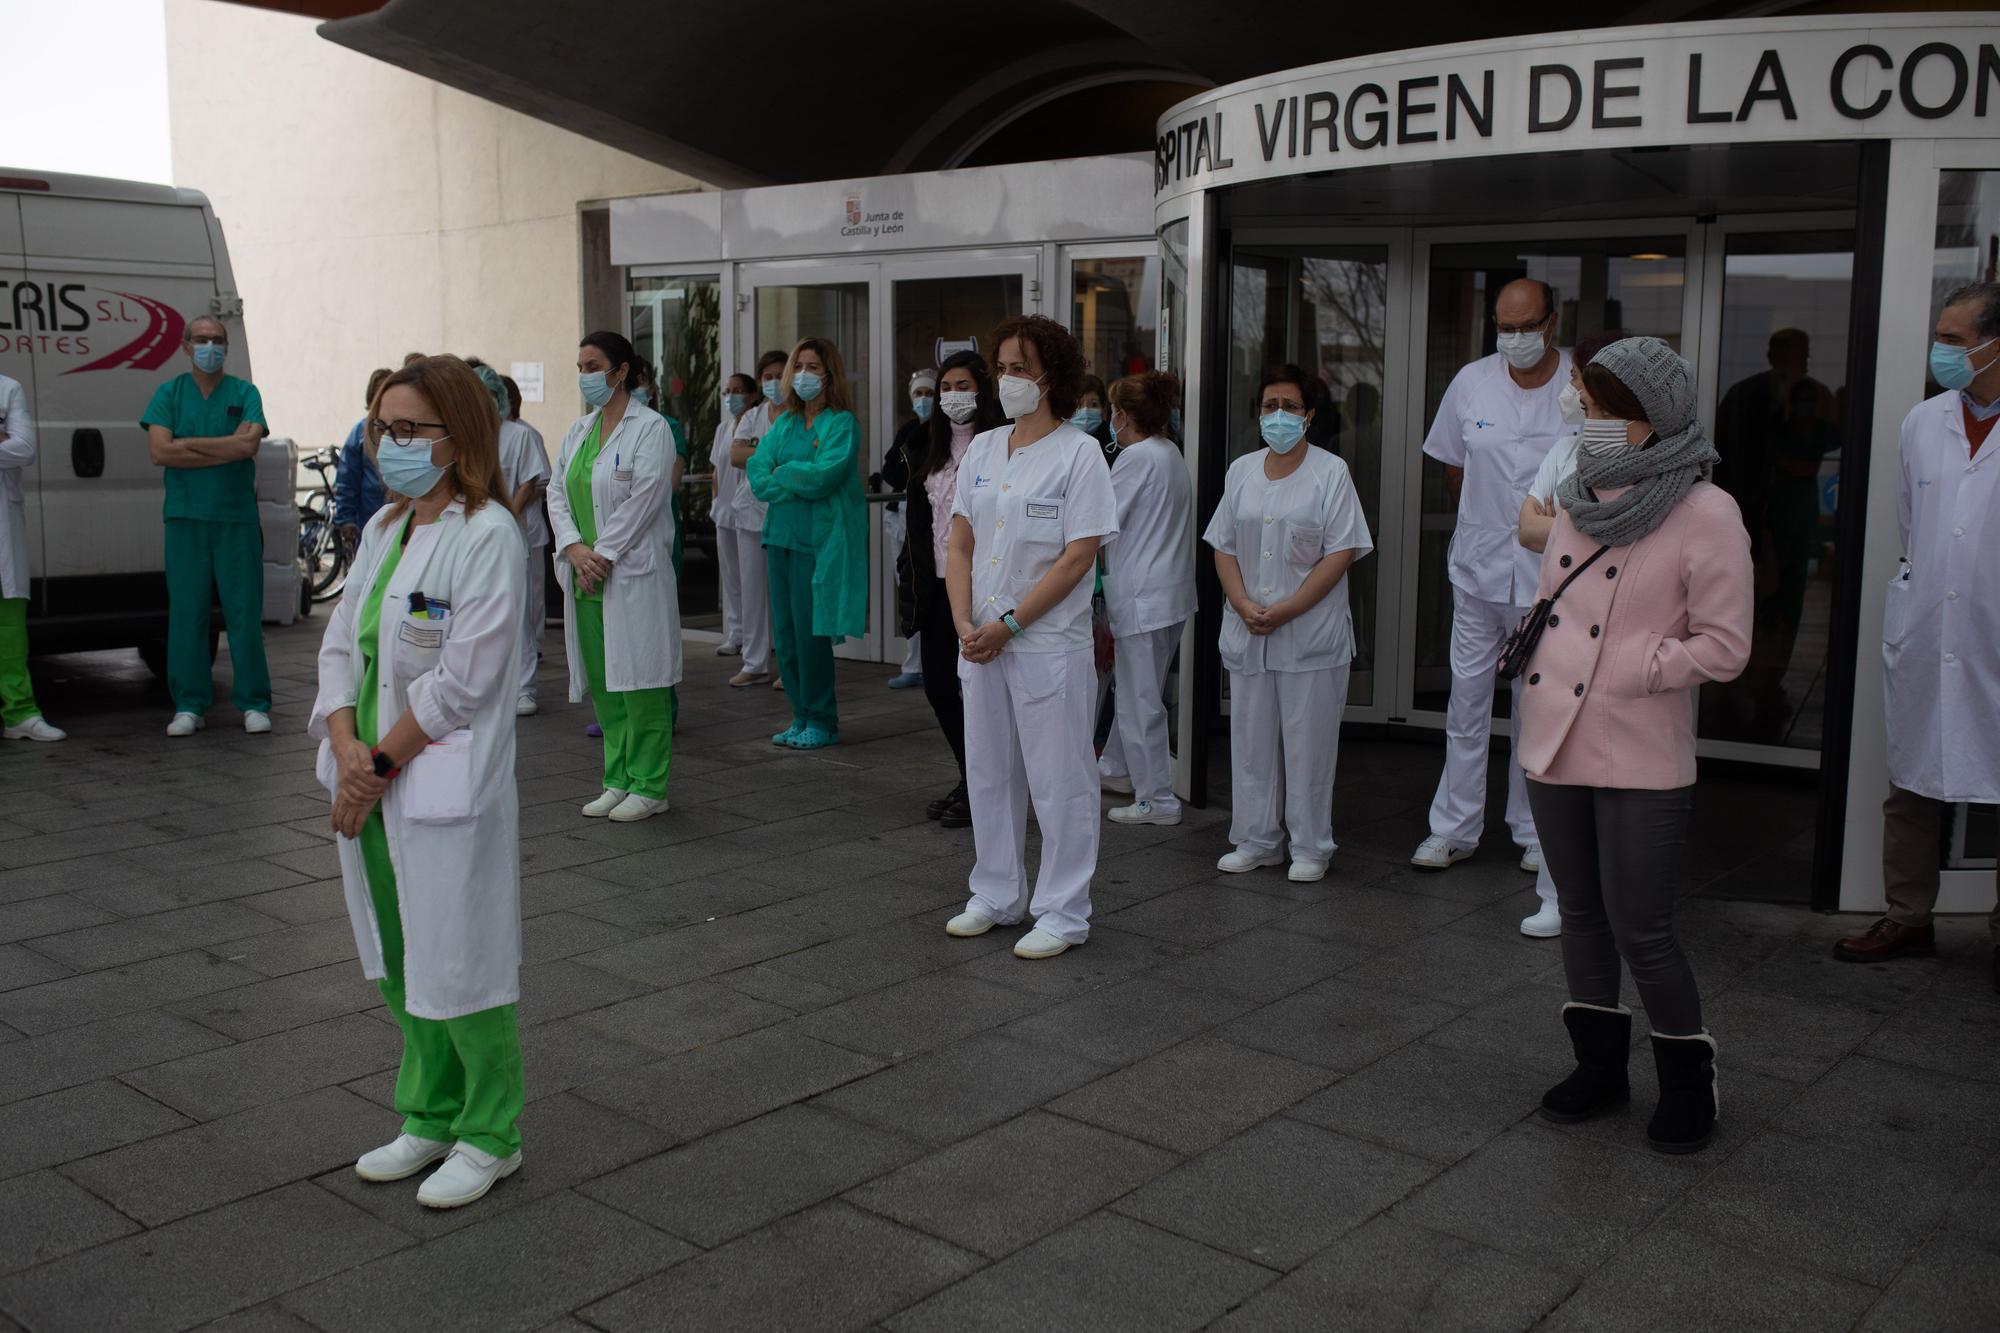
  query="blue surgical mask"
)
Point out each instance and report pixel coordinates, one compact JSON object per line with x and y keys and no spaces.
{"x":734,"y":403}
{"x":1951,"y":366}
{"x":922,"y":407}
{"x":593,"y":388}
{"x":642,"y":396}
{"x":774,"y":390}
{"x":1087,"y":419}
{"x":806,"y":385}
{"x":208,"y":357}
{"x":406,"y":465}
{"x":1282,"y":430}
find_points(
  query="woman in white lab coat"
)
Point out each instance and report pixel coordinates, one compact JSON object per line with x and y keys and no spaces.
{"x":1148,"y":592}
{"x":614,"y":529}
{"x":415,"y":718}
{"x":1287,"y":530}
{"x":524,"y":463}
{"x":18,"y":710}
{"x":739,"y":542}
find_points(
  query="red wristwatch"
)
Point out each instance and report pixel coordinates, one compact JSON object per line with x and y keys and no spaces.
{"x":385,"y":767}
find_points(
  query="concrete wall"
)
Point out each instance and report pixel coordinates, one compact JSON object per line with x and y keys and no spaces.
{"x":370,"y":212}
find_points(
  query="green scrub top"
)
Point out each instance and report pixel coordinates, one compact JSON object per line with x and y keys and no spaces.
{"x":680,"y":518}
{"x":582,"y":506}
{"x":227,"y":492}
{"x":810,"y":477}
{"x":366,"y":700}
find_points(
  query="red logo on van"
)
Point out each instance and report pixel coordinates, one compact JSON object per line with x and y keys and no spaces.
{"x":154,"y":346}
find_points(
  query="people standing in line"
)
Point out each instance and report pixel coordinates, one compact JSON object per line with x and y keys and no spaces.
{"x":415,"y":716}
{"x":203,"y":427}
{"x":1093,"y":415}
{"x":1649,"y":572}
{"x":20,"y":715}
{"x":1499,"y":419}
{"x":621,"y":609}
{"x":524,"y":463}
{"x":357,"y":486}
{"x":1941,"y":626}
{"x":807,"y":469}
{"x":895,"y":474}
{"x":755,"y":425}
{"x":1538,"y":518}
{"x":1148,"y":592}
{"x":966,"y":408}
{"x":1031,"y":504}
{"x":739,"y":552}
{"x":1287,"y":531}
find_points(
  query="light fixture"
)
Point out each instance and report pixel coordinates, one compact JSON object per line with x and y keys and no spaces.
{"x":1649,"y":256}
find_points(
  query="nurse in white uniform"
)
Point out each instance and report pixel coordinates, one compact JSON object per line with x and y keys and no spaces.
{"x":524,"y":462}
{"x":18,"y":709}
{"x":1148,"y":592}
{"x":1032,"y":503}
{"x":1498,"y":421}
{"x":415,"y":716}
{"x":1288,"y":529}
{"x":746,"y":604}
{"x":746,"y":534}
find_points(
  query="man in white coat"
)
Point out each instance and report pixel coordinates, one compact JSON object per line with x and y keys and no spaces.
{"x":1498,"y":421}
{"x":1941,"y":626}
{"x":18,"y":710}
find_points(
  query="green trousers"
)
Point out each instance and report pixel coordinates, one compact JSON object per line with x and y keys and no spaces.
{"x":224,"y":561}
{"x":461,"y":1077}
{"x":805,"y":659}
{"x":638,"y":724}
{"x":17,"y":692}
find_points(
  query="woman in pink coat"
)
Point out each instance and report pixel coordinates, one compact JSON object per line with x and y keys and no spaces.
{"x":1650,"y":568}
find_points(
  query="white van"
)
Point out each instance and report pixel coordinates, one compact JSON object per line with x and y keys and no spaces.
{"x":97,"y":279}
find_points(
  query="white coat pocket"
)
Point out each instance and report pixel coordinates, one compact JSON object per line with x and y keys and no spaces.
{"x":1305,"y":544}
{"x":1896,"y":612}
{"x":326,"y":768}
{"x":437,"y":784}
{"x":419,"y":641}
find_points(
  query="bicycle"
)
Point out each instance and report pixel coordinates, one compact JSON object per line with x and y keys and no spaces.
{"x":324,"y":554}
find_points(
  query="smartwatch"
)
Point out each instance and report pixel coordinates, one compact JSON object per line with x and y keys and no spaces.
{"x":1013,"y":625}
{"x":385,"y":767}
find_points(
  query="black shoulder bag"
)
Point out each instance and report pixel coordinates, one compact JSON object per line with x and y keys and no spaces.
{"x":1521,"y":643}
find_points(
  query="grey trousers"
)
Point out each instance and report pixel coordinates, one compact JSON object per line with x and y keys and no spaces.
{"x":1912,"y":829}
{"x":1615,"y":855}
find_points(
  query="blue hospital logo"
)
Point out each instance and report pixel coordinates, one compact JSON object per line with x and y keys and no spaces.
{"x":978,"y":480}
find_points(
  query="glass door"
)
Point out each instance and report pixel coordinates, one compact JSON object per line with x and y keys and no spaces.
{"x":675,"y":323}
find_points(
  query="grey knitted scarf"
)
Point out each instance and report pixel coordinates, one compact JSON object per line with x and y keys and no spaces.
{"x":1660,"y":473}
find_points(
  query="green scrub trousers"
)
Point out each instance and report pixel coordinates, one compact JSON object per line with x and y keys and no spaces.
{"x":17,"y":692}
{"x":805,"y":659}
{"x":460,"y":1079}
{"x":225,"y":561}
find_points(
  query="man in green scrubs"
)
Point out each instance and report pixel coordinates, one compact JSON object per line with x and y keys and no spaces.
{"x":203,"y":428}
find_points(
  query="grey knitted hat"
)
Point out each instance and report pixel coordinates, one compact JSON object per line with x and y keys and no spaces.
{"x":1658,"y":377}
{"x":1655,"y":478}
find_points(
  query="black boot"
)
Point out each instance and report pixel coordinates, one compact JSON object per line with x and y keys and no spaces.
{"x":1689,"y":1097}
{"x":959,"y":813}
{"x":1602,"y":1039}
{"x":943,"y":803}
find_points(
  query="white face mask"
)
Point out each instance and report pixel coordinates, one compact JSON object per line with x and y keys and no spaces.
{"x":1019,"y":396}
{"x":1524,"y":351}
{"x":1572,"y":406}
{"x":958,"y":404}
{"x":1605,"y":435}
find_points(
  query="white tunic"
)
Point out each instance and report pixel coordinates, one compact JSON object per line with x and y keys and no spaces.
{"x":1149,"y":565}
{"x":1277,"y":531}
{"x":523,"y":455}
{"x":749,"y":510}
{"x":1024,"y":509}
{"x":17,"y":455}
{"x":729,"y":479}
{"x":1499,"y":433}
{"x":1556,"y":468}
{"x":1941,"y":620}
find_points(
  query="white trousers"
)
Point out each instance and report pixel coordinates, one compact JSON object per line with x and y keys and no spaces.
{"x":1479,"y":631}
{"x":727,"y":565}
{"x":913,"y":660}
{"x":1545,"y":887}
{"x":1137,"y":745}
{"x":1284,"y":741}
{"x":1027,"y":737}
{"x":746,"y":586}
{"x":534,"y":616}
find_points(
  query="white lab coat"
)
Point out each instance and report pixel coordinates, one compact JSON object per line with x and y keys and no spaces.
{"x":747,"y":510}
{"x":630,"y":487}
{"x":729,"y":479}
{"x":453,"y":814}
{"x":1941,"y":620}
{"x":523,"y":455}
{"x":17,"y":455}
{"x":1149,"y":564}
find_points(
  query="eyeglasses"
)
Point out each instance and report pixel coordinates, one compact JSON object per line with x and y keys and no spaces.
{"x":401,"y":429}
{"x":1530,"y":327}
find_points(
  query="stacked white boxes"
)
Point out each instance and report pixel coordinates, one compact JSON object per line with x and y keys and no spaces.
{"x":278,"y":516}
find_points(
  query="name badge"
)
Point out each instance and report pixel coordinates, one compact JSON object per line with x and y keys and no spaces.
{"x":1043,"y":510}
{"x":625,"y":475}
{"x":421,"y":636}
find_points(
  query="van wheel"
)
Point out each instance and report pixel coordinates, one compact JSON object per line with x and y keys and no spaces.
{"x":153,"y":652}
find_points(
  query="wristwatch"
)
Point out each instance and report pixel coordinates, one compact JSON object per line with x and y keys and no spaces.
{"x":1013,"y":625}
{"x":385,"y":767}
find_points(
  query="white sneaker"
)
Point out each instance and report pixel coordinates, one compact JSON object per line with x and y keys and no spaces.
{"x":1545,"y":924}
{"x":1038,"y":943}
{"x":1236,"y":863}
{"x":184,"y":724}
{"x":1306,"y":872}
{"x":36,"y":728}
{"x":256,"y":723}
{"x":605,"y":804}
{"x":1142,"y":812}
{"x":465,"y":1177}
{"x":728,"y":650}
{"x":1121,"y":783}
{"x":968,"y":923}
{"x":1531,"y":860}
{"x":743,"y":679}
{"x":526,"y":705}
{"x":403,"y":1158}
{"x":1435,"y":853}
{"x":636,"y":807}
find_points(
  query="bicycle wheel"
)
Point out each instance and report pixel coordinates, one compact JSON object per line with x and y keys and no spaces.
{"x":325,"y":558}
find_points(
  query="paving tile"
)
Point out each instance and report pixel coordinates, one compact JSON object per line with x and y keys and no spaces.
{"x":36,"y":1065}
{"x":22,"y":883}
{"x":887,"y":954}
{"x":555,"y":935}
{"x":565,"y":988}
{"x":1976,"y":1210}
{"x":1457,"y":969}
{"x":639,"y":870}
{"x":181,"y":852}
{"x":1261,"y":964}
{"x":21,"y":966}
{"x":1522,"y":1026}
{"x":686,"y":903}
{"x":849,"y":907}
{"x":53,"y":915}
{"x":1427,"y":1100}
{"x":58,"y":1127}
{"x":1390,"y":1276}
{"x":970,"y":1085}
{"x":294,"y":949}
{"x":918,"y":1015}
{"x":195,"y":1169}
{"x":1193,"y":1096}
{"x":1683,"y":1281}
{"x":302,"y":904}
{"x":1109,"y":955}
{"x":1378,"y":916}
{"x":269,"y":1317}
{"x":568,"y":1251}
{"x":737,"y":1179}
{"x":1935,"y":1033}
{"x":560,"y":1055}
{"x":562,"y":891}
{"x":1198,"y":915}
{"x":1104,"y":1271}
{"x":704,"y":1090}
{"x":1788,"y":1039}
{"x":1952,"y":1283}
{"x":1129,"y":1021}
{"x":202,"y":1266}
{"x":1875,"y":1106}
{"x":684,"y":1017}
{"x":760,"y":982}
{"x":49,"y":1216}
{"x":1337,"y":1025}
{"x":1806,"y":970}
{"x":269,"y":1069}
{"x":695,"y":951}
{"x":147,"y":889}
{"x":1005,"y":1187}
{"x":283,"y":1003}
{"x":121,"y":942}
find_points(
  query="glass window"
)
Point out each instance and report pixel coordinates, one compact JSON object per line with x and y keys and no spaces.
{"x":1171,"y":352}
{"x":931,"y":311}
{"x":835,"y":311}
{"x":1115,"y":311}
{"x":675,"y":326}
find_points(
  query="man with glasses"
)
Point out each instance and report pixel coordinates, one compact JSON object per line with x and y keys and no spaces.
{"x":203,"y":427}
{"x":1499,"y":419}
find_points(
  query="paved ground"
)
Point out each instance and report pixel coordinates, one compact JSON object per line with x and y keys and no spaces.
{"x":768,"y":1091}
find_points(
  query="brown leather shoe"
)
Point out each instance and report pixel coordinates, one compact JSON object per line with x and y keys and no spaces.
{"x":1885,"y":940}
